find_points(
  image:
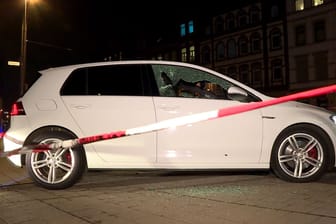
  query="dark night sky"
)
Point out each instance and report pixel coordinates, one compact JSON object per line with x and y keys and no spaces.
{"x":62,"y":32}
{"x":90,"y":28}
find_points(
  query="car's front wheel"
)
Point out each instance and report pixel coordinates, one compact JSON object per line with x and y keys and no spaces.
{"x":55,"y":169}
{"x":301,"y":153}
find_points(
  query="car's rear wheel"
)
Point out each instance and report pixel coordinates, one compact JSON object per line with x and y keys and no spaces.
{"x":59,"y":168}
{"x":301,"y":153}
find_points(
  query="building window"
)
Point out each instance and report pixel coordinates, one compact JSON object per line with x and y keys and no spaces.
{"x":182,"y":30}
{"x":321,"y":65}
{"x":244,"y":76}
{"x":256,"y":74}
{"x":166,"y":56}
{"x":219,"y":25}
{"x":242,"y":19}
{"x":232,"y":72}
{"x":301,"y":63}
{"x":220,"y":51}
{"x":275,"y":11}
{"x":319,"y":31}
{"x":192,"y":53}
{"x":184,"y":54}
{"x":317,"y":2}
{"x":275,"y":36}
{"x":205,"y":55}
{"x":231,"y":48}
{"x":174,"y":55}
{"x":255,"y":15}
{"x":243,"y":46}
{"x":255,"y":43}
{"x":229,"y":22}
{"x":191,"y":26}
{"x":276,"y":66}
{"x":299,"y":5}
{"x":300,"y":35}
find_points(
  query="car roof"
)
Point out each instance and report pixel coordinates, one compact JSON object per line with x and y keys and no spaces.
{"x":93,"y":64}
{"x":70,"y":68}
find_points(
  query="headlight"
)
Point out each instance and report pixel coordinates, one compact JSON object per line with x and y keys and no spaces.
{"x":333,"y":118}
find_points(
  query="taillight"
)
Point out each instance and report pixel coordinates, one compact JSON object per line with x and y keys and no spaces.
{"x":17,"y":109}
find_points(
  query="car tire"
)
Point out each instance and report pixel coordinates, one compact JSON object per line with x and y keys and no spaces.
{"x":55,"y":169}
{"x":301,"y":153}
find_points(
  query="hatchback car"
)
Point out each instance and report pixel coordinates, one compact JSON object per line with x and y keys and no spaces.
{"x":296,"y":141}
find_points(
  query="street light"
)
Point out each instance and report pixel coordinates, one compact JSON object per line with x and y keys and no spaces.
{"x":23,"y":57}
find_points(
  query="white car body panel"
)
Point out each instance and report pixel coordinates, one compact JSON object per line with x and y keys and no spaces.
{"x":184,"y":147}
{"x":104,"y":114}
{"x":190,"y":145}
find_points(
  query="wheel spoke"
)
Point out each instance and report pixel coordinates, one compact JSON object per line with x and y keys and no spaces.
{"x":286,"y":158}
{"x":298,"y":168}
{"x":310,"y":145}
{"x":312,"y":161}
{"x":64,"y":166}
{"x":52,"y":174}
{"x":40,"y":163}
{"x":60,"y":152}
{"x":293,"y":143}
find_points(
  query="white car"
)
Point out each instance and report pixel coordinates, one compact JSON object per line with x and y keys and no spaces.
{"x":296,"y":141}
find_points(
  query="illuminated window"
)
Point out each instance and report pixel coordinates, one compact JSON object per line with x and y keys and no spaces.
{"x":183,"y":30}
{"x":317,"y":2}
{"x":192,"y":53}
{"x":191,"y":26}
{"x":299,"y":5}
{"x":184,"y":54}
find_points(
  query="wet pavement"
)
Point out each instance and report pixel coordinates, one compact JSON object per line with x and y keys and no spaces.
{"x":167,"y":197}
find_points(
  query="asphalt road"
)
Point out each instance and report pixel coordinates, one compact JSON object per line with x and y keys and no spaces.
{"x":167,"y":197}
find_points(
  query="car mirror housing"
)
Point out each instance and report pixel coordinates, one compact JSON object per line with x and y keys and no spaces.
{"x":238,"y":94}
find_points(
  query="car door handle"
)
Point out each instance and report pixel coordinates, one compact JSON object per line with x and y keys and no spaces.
{"x":80,"y":106}
{"x":169,"y":108}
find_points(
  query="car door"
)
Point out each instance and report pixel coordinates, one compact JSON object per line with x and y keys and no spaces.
{"x":112,"y":98}
{"x":233,"y":141}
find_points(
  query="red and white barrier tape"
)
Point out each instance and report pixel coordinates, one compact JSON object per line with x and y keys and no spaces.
{"x":179,"y":121}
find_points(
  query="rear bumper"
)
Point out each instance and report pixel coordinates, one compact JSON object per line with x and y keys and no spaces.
{"x":11,"y":144}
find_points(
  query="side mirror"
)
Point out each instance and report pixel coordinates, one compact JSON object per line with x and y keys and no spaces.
{"x":238,"y":94}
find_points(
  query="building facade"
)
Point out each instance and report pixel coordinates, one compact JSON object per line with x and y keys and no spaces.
{"x":275,"y":46}
{"x":249,"y":44}
{"x":312,"y":46}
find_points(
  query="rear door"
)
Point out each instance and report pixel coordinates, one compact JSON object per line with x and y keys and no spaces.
{"x":112,"y":98}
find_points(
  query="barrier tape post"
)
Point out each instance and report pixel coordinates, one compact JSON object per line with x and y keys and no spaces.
{"x":175,"y":122}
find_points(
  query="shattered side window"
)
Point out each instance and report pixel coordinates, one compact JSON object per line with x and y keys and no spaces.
{"x":190,"y":82}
